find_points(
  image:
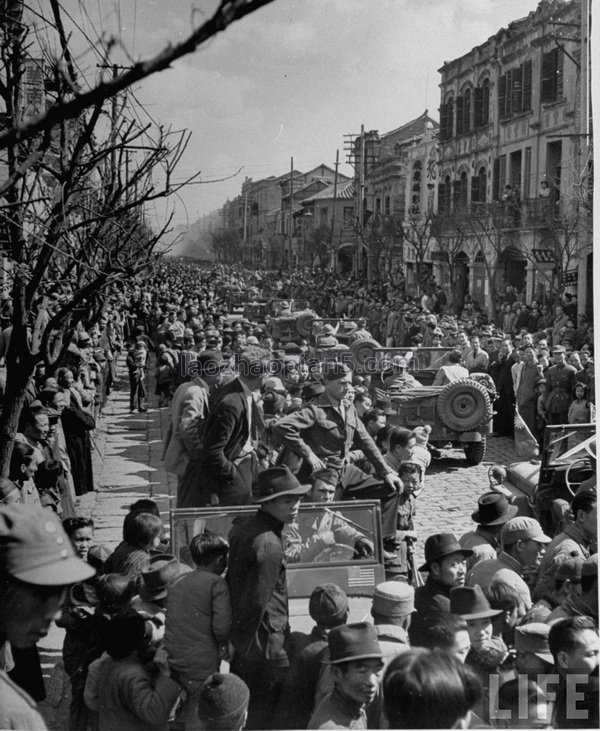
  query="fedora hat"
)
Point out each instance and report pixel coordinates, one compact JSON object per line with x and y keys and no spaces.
{"x":353,"y":642}
{"x":162,"y":570}
{"x":278,"y":481}
{"x":440,"y":545}
{"x":533,"y":638}
{"x":469,"y":602}
{"x":493,"y":509}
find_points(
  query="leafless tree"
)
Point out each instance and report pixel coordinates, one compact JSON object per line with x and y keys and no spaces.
{"x":75,"y":179}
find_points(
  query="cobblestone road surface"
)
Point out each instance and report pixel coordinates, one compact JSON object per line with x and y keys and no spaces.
{"x":127,"y":466}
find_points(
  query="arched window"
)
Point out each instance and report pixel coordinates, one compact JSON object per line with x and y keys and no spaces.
{"x":445,"y":195}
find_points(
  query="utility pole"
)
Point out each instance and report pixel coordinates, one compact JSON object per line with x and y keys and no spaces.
{"x":291,"y":211}
{"x":361,"y":196}
{"x":335,"y":185}
{"x":245,"y":214}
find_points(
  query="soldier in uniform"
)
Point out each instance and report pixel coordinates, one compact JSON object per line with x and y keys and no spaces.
{"x":560,"y":384}
{"x":313,"y":533}
{"x":324,"y":433}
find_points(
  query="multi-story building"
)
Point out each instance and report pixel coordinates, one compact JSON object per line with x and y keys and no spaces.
{"x":327,"y":227}
{"x":260,"y":199}
{"x":513,"y":155}
{"x":394,"y":180}
{"x":287,"y":242}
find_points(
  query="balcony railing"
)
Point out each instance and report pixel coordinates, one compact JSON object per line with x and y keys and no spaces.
{"x":503,"y":215}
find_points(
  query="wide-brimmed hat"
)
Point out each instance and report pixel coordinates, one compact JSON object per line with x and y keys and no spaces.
{"x":440,"y":545}
{"x":161,"y":571}
{"x":278,"y":481}
{"x":493,"y":509}
{"x":469,"y":602}
{"x":35,"y":548}
{"x":533,"y":637}
{"x":522,"y":528}
{"x":353,"y":642}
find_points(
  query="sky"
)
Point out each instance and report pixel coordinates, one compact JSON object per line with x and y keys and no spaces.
{"x":290,"y":80}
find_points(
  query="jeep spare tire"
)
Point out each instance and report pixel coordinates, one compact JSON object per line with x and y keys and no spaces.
{"x":464,"y":405}
{"x":363,"y":351}
{"x":304,"y":323}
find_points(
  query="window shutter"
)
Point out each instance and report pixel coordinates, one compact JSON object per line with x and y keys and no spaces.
{"x":560,"y":60}
{"x":482,"y":185}
{"x":475,"y":189}
{"x":508,"y":96}
{"x":496,"y":180}
{"x":459,"y":115}
{"x":478,"y":107}
{"x":456,"y":193}
{"x":527,"y":86}
{"x":502,"y":96}
{"x":548,"y":93}
{"x":441,"y":198}
{"x":444,"y":122}
{"x":516,"y":95}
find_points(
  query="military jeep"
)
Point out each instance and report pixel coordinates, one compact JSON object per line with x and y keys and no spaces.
{"x":459,"y":413}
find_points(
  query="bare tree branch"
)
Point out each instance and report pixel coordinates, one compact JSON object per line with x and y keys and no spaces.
{"x":227,"y":13}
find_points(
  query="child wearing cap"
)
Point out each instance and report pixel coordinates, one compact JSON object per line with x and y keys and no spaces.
{"x":223,"y":703}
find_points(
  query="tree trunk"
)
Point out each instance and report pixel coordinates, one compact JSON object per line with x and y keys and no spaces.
{"x":18,"y":375}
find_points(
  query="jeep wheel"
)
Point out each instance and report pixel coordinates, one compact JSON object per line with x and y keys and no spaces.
{"x":363,"y":350}
{"x":464,"y":405}
{"x":304,"y":324}
{"x":475,"y":451}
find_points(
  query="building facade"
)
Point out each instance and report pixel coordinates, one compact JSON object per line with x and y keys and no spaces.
{"x":513,"y":206}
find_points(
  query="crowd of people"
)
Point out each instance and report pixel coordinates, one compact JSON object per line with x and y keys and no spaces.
{"x":506,"y":612}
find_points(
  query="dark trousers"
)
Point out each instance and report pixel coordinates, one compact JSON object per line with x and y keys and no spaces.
{"x":239,"y":490}
{"x":265,"y":682}
{"x":562,"y":417}
{"x":137,"y":391}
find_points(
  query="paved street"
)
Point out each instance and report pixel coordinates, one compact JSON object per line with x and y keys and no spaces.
{"x":127,"y":466}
